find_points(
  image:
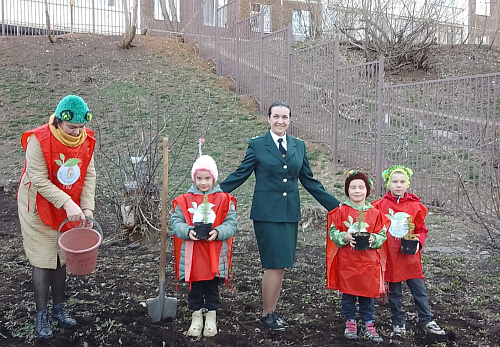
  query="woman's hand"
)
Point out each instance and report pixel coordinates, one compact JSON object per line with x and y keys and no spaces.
{"x":370,"y":241}
{"x":86,"y":223}
{"x":73,"y":211}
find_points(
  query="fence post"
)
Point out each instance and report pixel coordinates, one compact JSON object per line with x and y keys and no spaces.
{"x":237,"y":73}
{"x":336,"y":103}
{"x":380,"y":124}
{"x":200,"y":25}
{"x":3,"y":20}
{"x":261,"y":63}
{"x":217,"y":48}
{"x":237,"y":38}
{"x":289,"y":65}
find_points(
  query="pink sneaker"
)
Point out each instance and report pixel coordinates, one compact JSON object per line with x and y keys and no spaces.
{"x":351,"y":330}
{"x":369,"y":332}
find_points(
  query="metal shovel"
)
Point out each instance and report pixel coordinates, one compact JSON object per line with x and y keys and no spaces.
{"x":163,"y":306}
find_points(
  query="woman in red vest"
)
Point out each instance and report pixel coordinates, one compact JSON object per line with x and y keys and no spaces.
{"x":57,"y":182}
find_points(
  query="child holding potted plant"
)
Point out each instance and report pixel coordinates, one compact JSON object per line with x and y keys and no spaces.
{"x":407,"y":215}
{"x":357,"y":274}
{"x":203,"y":260}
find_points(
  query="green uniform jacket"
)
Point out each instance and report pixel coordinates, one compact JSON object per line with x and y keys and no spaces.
{"x":276,"y":194}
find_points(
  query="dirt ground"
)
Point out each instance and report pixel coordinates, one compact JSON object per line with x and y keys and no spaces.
{"x":109,"y":304}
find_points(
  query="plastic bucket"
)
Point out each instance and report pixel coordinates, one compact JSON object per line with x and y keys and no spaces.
{"x":80,"y":246}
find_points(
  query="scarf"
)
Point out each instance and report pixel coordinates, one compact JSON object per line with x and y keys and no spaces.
{"x":64,"y":138}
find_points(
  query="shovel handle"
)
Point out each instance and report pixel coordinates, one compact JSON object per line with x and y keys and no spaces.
{"x":164,"y":200}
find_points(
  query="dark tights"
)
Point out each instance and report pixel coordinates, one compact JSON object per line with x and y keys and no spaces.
{"x":45,"y":278}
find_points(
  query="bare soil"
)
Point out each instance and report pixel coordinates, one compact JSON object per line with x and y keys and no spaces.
{"x":109,"y":304}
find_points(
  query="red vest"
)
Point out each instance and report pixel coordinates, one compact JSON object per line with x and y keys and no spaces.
{"x":201,"y":258}
{"x":355,"y":272}
{"x":56,"y":155}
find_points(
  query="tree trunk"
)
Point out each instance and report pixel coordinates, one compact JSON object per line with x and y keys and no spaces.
{"x":166,"y":18}
{"x":47,"y":21}
{"x":171,"y":22}
{"x":173,"y":11}
{"x":130,"y":28}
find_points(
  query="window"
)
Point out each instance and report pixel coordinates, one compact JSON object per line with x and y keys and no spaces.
{"x":209,"y":13}
{"x":263,"y":10}
{"x":301,"y":24}
{"x":483,"y":7}
{"x":482,"y":40}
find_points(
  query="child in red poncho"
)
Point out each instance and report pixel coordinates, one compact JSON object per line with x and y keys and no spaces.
{"x":357,"y":274}
{"x":203,"y":260}
{"x":407,"y":215}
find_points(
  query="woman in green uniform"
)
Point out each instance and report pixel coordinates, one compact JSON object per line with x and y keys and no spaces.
{"x":278,"y":161}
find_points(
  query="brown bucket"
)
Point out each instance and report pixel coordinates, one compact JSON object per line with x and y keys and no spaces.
{"x":80,"y":246}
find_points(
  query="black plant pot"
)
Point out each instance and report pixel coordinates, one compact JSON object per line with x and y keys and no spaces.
{"x":362,"y":243}
{"x":409,"y":246}
{"x":202,"y":230}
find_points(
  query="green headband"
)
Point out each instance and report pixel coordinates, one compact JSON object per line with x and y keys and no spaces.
{"x":386,"y":174}
{"x":73,"y":109}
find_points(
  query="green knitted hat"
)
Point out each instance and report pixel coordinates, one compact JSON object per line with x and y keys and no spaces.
{"x":73,"y":109}
{"x":386,"y":174}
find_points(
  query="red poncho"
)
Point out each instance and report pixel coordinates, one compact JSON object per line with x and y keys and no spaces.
{"x":201,"y":258}
{"x":401,"y":267}
{"x":350,"y":271}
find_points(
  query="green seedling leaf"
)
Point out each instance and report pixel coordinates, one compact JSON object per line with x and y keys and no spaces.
{"x":72,"y":162}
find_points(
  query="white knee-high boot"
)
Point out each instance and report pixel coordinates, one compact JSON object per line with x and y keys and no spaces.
{"x":196,"y":324}
{"x":210,"y":324}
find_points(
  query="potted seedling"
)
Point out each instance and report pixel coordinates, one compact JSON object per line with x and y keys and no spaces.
{"x":358,"y":227}
{"x":410,"y":240}
{"x":203,"y":218}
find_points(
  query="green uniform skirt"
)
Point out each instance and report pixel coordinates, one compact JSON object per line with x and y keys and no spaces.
{"x":277,"y":243}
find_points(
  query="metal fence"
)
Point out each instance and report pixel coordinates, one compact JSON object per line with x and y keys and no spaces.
{"x":22,"y":17}
{"x":447,"y":131}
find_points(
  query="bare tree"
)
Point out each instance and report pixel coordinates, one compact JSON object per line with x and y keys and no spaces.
{"x":129,"y":157}
{"x":489,"y":221}
{"x":130,"y":26}
{"x":170,"y":18}
{"x":401,"y":30}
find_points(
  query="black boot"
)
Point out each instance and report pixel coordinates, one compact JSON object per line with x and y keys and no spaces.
{"x":42,"y":326}
{"x":62,"y":316}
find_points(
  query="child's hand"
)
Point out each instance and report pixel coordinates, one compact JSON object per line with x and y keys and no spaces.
{"x":192,"y":235}
{"x":370,"y":241}
{"x":350,"y":238}
{"x":213,"y":235}
{"x":418,"y":248}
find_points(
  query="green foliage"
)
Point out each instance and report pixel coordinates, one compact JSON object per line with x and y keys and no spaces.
{"x":204,"y":209}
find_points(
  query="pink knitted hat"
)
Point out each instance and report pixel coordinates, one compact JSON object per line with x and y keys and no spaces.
{"x":205,"y":162}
